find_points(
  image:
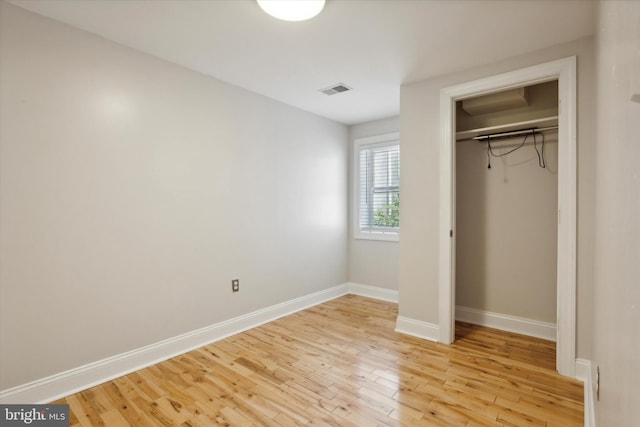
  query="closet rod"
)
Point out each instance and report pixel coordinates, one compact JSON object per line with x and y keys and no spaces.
{"x":513,"y":133}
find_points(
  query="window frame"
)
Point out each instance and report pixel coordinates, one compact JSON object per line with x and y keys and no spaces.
{"x":389,"y":139}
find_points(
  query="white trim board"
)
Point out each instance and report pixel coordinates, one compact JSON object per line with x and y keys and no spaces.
{"x":417,"y":328}
{"x":74,"y":380}
{"x":505,"y":322}
{"x":383,"y":294}
{"x":584,"y":373}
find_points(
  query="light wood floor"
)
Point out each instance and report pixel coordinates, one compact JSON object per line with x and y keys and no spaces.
{"x":342,"y":364}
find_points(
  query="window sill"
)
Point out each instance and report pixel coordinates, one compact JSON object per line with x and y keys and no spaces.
{"x":384,"y":237}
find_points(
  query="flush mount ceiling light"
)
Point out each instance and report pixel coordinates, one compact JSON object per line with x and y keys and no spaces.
{"x":292,"y":10}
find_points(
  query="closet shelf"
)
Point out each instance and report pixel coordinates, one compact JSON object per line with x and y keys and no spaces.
{"x":527,"y":124}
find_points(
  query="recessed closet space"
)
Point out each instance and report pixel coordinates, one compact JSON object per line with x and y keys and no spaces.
{"x":506,"y":209}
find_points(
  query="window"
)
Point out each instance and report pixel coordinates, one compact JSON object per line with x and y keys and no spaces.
{"x":377,"y":187}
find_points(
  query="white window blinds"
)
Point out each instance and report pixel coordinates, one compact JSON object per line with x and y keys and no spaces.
{"x":379,"y":187}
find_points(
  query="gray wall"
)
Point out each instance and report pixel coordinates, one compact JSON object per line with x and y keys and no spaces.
{"x":616,"y":333}
{"x":133,"y":191}
{"x":372,"y":262}
{"x":506,"y":246}
{"x":420,"y":129}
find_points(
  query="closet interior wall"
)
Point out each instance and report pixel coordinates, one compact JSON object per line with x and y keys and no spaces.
{"x":506,"y":243}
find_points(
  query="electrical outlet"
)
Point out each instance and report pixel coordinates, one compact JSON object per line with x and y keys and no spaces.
{"x":235,"y":285}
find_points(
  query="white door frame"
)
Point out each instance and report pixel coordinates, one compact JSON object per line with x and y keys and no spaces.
{"x":563,"y":70}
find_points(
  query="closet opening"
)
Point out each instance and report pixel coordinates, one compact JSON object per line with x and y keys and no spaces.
{"x":506,"y":180}
{"x":562,"y":74}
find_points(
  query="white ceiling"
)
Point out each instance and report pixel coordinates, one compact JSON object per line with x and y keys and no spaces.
{"x":373,"y":46}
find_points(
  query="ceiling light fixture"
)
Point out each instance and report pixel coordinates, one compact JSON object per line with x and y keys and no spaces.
{"x":292,"y":10}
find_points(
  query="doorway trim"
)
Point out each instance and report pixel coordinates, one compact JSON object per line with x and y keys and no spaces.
{"x":564,"y":71}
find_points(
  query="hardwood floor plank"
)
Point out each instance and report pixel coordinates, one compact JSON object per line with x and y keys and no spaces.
{"x":342,"y":364}
{"x":113,"y":418}
{"x":77,"y":414}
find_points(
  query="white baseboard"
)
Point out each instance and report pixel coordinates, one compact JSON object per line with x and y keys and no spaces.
{"x":583,"y":370}
{"x":74,"y":380}
{"x":505,"y":322}
{"x":584,"y":373}
{"x":417,"y":328}
{"x":384,"y":294}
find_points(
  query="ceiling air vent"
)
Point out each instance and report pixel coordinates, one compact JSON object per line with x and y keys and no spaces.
{"x":335,"y":89}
